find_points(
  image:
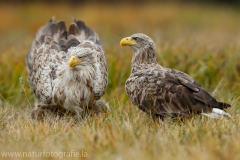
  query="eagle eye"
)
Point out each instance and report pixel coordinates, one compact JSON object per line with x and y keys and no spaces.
{"x":135,"y":38}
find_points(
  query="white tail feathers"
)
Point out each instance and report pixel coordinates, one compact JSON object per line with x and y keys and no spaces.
{"x":217,"y":113}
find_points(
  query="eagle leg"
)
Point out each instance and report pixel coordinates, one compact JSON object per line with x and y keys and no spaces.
{"x":41,"y":110}
{"x":100,"y":106}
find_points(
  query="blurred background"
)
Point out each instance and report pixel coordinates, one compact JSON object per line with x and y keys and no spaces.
{"x":201,"y":38}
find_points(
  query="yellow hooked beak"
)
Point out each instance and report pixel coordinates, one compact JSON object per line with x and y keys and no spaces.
{"x":74,"y":61}
{"x":128,"y":41}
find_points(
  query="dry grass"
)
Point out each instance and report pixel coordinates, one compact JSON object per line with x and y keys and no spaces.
{"x":203,"y":41}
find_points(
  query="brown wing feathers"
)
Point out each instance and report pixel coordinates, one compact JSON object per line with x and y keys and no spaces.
{"x":78,"y":31}
{"x":47,"y":34}
{"x":200,"y":95}
{"x":173,"y":97}
{"x":87,"y":32}
{"x":207,"y":99}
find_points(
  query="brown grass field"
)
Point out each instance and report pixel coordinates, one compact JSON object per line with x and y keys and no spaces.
{"x":201,"y":40}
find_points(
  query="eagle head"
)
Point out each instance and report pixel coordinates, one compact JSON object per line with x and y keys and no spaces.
{"x":138,"y":42}
{"x":80,"y":57}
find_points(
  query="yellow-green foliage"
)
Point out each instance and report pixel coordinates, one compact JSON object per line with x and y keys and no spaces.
{"x":203,"y":41}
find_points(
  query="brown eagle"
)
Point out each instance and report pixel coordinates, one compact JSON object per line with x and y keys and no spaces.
{"x":67,"y":70}
{"x":165,"y":92}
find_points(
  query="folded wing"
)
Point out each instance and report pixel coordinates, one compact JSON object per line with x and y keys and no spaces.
{"x":169,"y":92}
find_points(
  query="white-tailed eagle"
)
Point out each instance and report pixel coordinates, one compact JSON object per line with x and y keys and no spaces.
{"x":67,"y":70}
{"x":165,"y":92}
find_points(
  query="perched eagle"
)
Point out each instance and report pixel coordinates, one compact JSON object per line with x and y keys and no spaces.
{"x":165,"y":92}
{"x":67,"y":70}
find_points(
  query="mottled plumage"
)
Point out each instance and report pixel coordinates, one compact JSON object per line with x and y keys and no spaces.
{"x":67,"y":70}
{"x":163,"y":91}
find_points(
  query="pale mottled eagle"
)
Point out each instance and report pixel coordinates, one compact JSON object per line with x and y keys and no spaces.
{"x":165,"y":92}
{"x":67,"y":70}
